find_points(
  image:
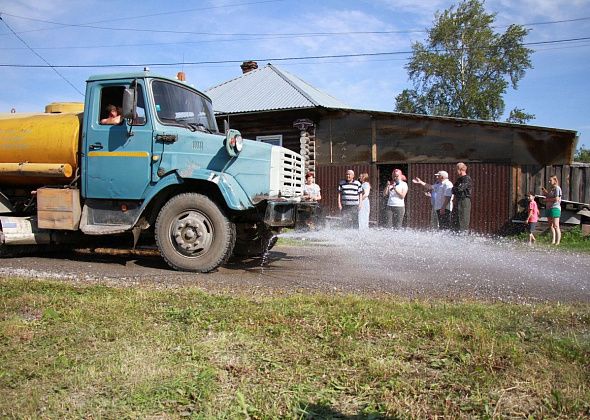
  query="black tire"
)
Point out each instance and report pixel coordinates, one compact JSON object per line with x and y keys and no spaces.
{"x":254,"y":240}
{"x":193,"y":234}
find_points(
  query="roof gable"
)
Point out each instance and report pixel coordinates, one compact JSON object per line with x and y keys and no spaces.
{"x":268,"y":88}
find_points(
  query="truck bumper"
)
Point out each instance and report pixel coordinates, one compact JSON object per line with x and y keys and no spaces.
{"x":284,"y":213}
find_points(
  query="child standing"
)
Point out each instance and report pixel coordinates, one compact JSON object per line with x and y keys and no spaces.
{"x":533,"y":217}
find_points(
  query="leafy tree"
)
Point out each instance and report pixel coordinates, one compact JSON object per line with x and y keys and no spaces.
{"x":464,"y":68}
{"x":582,"y":155}
{"x":518,"y":116}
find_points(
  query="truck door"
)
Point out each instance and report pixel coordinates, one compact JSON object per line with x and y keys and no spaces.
{"x":117,"y":165}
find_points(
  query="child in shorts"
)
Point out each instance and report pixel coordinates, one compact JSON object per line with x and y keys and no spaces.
{"x":533,"y":217}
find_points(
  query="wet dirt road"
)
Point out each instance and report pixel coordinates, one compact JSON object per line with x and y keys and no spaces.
{"x":408,"y":264}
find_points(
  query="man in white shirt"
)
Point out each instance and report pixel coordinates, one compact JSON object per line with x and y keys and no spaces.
{"x":442,"y":191}
{"x":442,"y":204}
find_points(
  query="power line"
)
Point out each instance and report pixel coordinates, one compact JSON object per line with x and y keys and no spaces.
{"x":268,"y":34}
{"x":207,"y":41}
{"x":61,"y":24}
{"x":38,"y":55}
{"x":315,"y":57}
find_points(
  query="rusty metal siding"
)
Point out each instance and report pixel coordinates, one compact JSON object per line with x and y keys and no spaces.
{"x":490,"y":201}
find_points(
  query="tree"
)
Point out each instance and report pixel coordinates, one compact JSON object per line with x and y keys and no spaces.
{"x":518,"y":116}
{"x":464,"y":68}
{"x":582,"y":155}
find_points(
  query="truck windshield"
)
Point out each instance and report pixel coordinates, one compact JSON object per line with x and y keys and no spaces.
{"x":177,"y":105}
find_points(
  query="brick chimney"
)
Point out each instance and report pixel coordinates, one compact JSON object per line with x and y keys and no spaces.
{"x":248,"y":66}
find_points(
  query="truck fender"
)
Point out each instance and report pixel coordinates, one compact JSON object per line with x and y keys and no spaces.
{"x":231,"y":191}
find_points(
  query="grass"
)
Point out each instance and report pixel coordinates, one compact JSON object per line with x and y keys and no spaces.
{"x":71,"y":351}
{"x":571,"y":239}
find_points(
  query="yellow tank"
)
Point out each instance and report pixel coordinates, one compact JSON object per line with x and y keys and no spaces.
{"x":59,"y":107}
{"x":39,"y":149}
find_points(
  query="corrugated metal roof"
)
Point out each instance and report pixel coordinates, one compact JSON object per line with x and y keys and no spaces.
{"x":268,"y":88}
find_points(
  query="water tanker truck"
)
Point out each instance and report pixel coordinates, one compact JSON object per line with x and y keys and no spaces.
{"x":165,"y":173}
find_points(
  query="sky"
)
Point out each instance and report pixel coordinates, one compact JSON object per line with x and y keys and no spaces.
{"x":208,"y":40}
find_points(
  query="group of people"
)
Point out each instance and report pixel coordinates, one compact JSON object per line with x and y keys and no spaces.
{"x":354,"y":205}
{"x":451,"y":202}
{"x":353,"y":200}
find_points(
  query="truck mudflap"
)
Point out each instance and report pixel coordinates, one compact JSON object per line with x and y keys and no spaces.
{"x":284,"y":213}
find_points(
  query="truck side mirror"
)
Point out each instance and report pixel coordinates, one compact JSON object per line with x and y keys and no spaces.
{"x":129,"y":103}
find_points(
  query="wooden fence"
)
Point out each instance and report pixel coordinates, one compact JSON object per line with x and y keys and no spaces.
{"x":574,"y":180}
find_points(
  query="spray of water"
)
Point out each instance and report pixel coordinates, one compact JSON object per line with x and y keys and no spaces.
{"x":420,"y":261}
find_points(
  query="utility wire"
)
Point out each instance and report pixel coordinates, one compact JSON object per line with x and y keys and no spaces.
{"x":88,"y":24}
{"x":41,"y":57}
{"x":174,"y":12}
{"x":268,"y":59}
{"x":268,"y":34}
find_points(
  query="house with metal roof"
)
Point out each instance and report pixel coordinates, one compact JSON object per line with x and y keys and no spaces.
{"x":505,"y":160}
{"x":268,"y":89}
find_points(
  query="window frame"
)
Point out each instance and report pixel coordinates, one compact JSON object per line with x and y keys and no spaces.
{"x":268,"y":139}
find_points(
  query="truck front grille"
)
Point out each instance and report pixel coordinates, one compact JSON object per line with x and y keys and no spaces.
{"x":287,"y":173}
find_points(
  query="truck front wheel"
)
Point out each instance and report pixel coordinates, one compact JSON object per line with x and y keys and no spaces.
{"x":193,"y":234}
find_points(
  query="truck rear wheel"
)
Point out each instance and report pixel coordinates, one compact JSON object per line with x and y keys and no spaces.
{"x":193,"y":234}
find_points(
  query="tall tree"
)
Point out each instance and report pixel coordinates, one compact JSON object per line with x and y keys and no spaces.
{"x":464,"y":68}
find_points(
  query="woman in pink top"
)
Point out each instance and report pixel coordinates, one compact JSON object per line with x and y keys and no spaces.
{"x":533,"y":216}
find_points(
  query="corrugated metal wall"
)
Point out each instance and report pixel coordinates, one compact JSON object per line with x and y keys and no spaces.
{"x":491,"y":197}
{"x":491,"y":202}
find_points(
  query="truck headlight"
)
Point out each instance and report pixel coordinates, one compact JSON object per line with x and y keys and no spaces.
{"x":233,"y":142}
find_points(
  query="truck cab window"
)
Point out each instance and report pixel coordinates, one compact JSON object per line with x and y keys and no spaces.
{"x":112,"y":96}
{"x":176,"y":105}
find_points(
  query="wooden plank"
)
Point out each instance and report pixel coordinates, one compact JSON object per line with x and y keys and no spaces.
{"x":373,"y":141}
{"x":586,"y":197}
{"x":565,"y":182}
{"x":576,"y":183}
{"x":538,"y":179}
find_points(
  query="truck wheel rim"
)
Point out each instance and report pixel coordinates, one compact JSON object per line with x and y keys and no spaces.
{"x":191,"y":233}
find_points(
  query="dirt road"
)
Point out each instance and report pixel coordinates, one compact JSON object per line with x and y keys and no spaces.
{"x":408,"y":264}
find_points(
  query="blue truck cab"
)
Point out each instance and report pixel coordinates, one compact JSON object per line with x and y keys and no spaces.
{"x":167,"y":169}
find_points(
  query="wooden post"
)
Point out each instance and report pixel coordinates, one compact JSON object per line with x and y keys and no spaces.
{"x":373,"y":141}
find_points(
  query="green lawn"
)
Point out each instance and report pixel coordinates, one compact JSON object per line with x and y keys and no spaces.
{"x":571,"y":240}
{"x":95,"y":352}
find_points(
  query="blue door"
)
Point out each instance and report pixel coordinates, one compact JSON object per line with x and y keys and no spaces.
{"x":117,"y":164}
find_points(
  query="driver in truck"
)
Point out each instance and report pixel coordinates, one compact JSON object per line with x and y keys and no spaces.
{"x":114,"y":116}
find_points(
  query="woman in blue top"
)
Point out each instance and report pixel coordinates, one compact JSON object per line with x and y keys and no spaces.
{"x":553,"y":208}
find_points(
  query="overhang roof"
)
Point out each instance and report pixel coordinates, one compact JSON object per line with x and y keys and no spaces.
{"x":266,"y":89}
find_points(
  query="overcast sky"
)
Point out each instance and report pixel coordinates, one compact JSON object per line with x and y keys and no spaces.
{"x":100,"y":33}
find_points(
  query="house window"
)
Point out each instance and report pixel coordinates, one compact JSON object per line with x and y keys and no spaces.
{"x":275,"y":139}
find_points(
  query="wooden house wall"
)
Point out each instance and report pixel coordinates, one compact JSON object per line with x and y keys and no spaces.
{"x":270,"y":123}
{"x":360,"y":137}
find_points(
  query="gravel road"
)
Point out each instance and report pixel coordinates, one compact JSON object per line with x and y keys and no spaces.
{"x":408,"y":264}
